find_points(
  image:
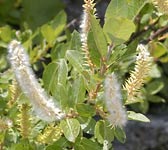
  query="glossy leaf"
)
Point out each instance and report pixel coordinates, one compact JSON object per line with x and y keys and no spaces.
{"x":59,"y":145}
{"x":75,"y":58}
{"x":155,"y":99}
{"x":86,"y":144}
{"x":123,"y":8}
{"x":99,"y":36}
{"x":54,"y":73}
{"x":154,"y":87}
{"x":85,"y":110}
{"x":75,"y":42}
{"x":94,"y":53}
{"x":5,"y":33}
{"x":71,"y":128}
{"x":53,"y":29}
{"x":158,"y":49}
{"x":58,"y":51}
{"x":103,"y":132}
{"x":118,"y":29}
{"x":137,"y":116}
{"x":78,"y":90}
{"x":120,"y":134}
{"x":60,"y":93}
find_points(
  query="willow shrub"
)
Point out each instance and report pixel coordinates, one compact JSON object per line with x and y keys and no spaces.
{"x":88,"y":83}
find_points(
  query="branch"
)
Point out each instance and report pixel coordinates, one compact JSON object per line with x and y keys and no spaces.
{"x":156,"y":34}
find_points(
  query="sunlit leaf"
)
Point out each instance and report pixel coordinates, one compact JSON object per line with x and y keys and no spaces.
{"x":71,"y":128}
{"x":137,"y":116}
{"x":118,"y":29}
{"x":99,"y":36}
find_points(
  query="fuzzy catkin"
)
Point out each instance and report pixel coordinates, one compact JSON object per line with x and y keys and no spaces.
{"x":43,"y":106}
{"x":113,"y":100}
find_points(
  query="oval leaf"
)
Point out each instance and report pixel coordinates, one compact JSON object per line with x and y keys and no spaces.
{"x":75,"y":58}
{"x":137,"y":116}
{"x":103,"y":132}
{"x":120,"y":134}
{"x":118,"y":29}
{"x":99,"y":36}
{"x":71,"y":128}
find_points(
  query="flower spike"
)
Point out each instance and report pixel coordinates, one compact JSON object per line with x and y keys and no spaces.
{"x":85,"y":28}
{"x":113,"y":100}
{"x":43,"y":105}
{"x":138,"y":76}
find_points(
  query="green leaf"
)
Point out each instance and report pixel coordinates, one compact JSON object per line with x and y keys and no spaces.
{"x":23,"y":144}
{"x":59,"y":51}
{"x":61,"y":94}
{"x":103,"y":132}
{"x":146,"y":18}
{"x":78,"y":90}
{"x":87,"y":144}
{"x":124,"y":8}
{"x":164,"y":59}
{"x":155,"y":99}
{"x":75,"y":42}
{"x":50,"y":76}
{"x":59,"y":145}
{"x":118,"y":29}
{"x":137,"y":116}
{"x":5,"y":33}
{"x":75,"y":59}
{"x":158,"y":49}
{"x":62,"y":71}
{"x":147,"y":8}
{"x":54,"y":73}
{"x":85,"y":110}
{"x":155,"y":71}
{"x":48,"y":33}
{"x":38,"y":12}
{"x":94,"y":53}
{"x":117,"y":8}
{"x":87,"y":124}
{"x":51,"y":30}
{"x":71,"y":128}
{"x":154,"y":87}
{"x":120,"y":134}
{"x":118,"y":54}
{"x":99,"y":36}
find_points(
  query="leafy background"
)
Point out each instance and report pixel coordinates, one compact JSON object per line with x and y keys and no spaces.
{"x":49,"y":30}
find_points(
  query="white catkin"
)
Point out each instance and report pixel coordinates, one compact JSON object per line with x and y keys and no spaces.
{"x":144,"y":54}
{"x":113,"y":100}
{"x":85,"y":27}
{"x":43,"y":105}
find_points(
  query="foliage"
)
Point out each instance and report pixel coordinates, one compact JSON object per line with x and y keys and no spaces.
{"x":59,"y":62}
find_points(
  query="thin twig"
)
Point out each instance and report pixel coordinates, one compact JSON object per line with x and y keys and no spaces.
{"x":156,"y":34}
